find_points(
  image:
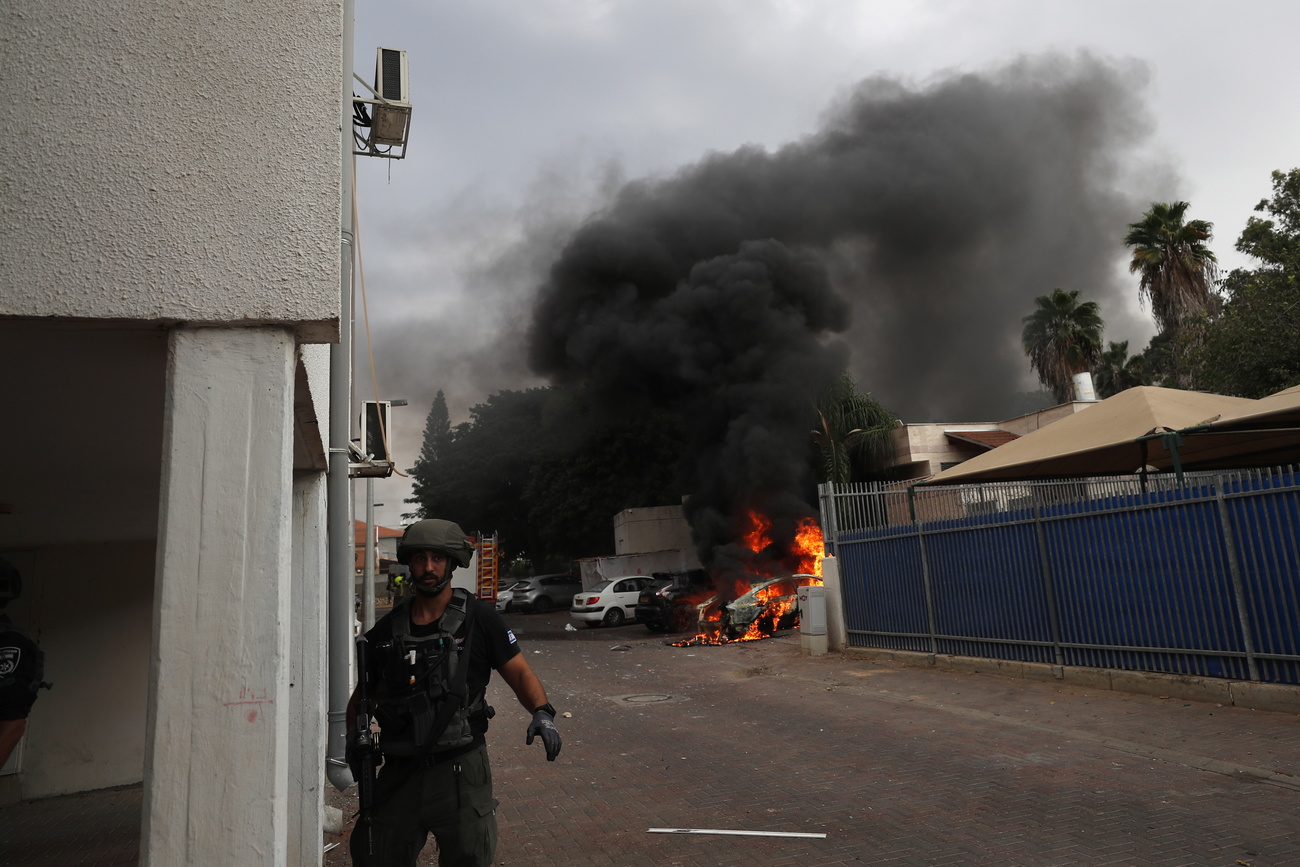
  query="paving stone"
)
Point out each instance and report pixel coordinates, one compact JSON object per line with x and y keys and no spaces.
{"x":897,"y":765}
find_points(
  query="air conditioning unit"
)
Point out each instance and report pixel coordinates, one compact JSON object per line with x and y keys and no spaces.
{"x":392,"y":115}
{"x":392,"y":76}
{"x":376,"y":434}
{"x":381,"y":126}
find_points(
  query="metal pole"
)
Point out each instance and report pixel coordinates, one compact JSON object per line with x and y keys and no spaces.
{"x":338,"y":499}
{"x":927,"y":587}
{"x":1238,"y":588}
{"x":830,"y":521}
{"x":1049,"y":586}
{"x":368,"y":573}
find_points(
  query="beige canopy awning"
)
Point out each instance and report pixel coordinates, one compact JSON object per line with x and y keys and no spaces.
{"x":1266,"y":432}
{"x":1112,"y":437}
{"x":1281,"y":409}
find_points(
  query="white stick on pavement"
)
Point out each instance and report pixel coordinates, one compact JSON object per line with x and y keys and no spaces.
{"x":732,"y":833}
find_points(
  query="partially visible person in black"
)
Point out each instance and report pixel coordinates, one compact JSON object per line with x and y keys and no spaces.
{"x":22,"y":665}
{"x":428,"y":665}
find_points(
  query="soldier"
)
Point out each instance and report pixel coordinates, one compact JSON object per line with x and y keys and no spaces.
{"x":427,"y":669}
{"x":21,"y":667}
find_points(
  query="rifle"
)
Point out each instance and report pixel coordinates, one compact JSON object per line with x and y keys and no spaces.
{"x":365,"y":745}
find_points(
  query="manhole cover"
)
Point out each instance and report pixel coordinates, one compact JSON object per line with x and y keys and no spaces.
{"x":645,"y":699}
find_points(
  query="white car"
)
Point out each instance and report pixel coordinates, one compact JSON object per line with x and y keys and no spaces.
{"x":503,"y":600}
{"x":610,"y":602}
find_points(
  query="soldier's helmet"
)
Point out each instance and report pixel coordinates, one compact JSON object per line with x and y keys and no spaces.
{"x":435,"y":534}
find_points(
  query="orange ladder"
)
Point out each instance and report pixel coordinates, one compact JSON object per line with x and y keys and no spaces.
{"x":487,"y":567}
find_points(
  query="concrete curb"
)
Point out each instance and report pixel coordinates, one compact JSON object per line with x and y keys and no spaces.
{"x":1282,"y":698}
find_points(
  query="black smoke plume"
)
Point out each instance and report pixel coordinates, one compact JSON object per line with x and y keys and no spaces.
{"x":919,"y":223}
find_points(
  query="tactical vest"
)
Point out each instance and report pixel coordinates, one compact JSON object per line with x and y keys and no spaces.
{"x":422,"y":701}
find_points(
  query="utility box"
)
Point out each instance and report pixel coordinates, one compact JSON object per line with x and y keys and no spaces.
{"x":812,"y":620}
{"x":812,"y":610}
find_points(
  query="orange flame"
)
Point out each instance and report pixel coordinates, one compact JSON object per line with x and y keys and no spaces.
{"x":804,"y":558}
{"x":810,"y":547}
{"x":757,"y":537}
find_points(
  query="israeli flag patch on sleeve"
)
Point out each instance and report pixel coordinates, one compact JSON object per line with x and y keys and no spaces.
{"x":511,"y":635}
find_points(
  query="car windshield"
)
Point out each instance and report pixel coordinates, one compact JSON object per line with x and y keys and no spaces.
{"x":598,"y":586}
{"x":765,"y":590}
{"x":659,"y":584}
{"x":522,"y":585}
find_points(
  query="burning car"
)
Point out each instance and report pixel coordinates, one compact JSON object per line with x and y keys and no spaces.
{"x":761,"y":596}
{"x":766,"y":607}
{"x":668,"y":603}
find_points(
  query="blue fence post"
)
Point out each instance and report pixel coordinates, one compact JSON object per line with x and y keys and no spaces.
{"x":927,"y":587}
{"x":1049,"y":585}
{"x":1238,"y":588}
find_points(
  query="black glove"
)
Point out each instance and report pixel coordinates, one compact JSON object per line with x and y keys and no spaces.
{"x":544,"y":724}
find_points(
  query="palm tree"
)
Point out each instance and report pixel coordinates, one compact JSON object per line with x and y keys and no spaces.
{"x":1062,"y":337}
{"x":1116,"y":371}
{"x":852,"y":430}
{"x":1177,"y":270}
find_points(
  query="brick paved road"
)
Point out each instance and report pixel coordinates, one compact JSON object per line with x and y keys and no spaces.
{"x":896,"y":765}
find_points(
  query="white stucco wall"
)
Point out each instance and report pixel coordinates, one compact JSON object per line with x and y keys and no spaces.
{"x":172,"y":160}
{"x":315,"y":359}
{"x":653,"y":528}
{"x":219,"y":706}
{"x":308,"y":675}
{"x":927,"y":447}
{"x":91,"y":612}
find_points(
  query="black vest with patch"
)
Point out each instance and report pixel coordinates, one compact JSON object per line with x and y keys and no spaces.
{"x":422,"y":700}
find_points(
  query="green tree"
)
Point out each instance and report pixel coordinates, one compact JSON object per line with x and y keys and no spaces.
{"x":1251,"y":350}
{"x":1276,"y":242}
{"x":606,"y":464}
{"x":853,"y":432}
{"x":1117,"y":371}
{"x":1177,"y":271}
{"x":437,"y":439}
{"x":547,"y":472}
{"x":1062,"y":337}
{"x":476,"y":477}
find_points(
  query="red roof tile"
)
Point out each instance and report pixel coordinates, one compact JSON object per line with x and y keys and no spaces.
{"x":359,"y":528}
{"x":986,"y":439}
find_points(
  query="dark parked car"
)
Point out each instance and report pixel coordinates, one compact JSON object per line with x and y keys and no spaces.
{"x":541,"y":593}
{"x":668,"y":604}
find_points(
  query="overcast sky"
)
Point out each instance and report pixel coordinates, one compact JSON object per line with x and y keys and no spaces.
{"x":530,"y":115}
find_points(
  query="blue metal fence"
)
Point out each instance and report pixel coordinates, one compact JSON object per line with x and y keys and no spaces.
{"x":1198,"y":577}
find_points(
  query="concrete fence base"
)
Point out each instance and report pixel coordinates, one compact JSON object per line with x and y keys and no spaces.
{"x":1236,"y":693}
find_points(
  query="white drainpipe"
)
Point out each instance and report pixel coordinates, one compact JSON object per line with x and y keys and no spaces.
{"x":338,"y":490}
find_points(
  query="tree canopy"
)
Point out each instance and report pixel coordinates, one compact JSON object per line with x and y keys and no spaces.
{"x":1251,"y":350}
{"x":1178,"y":271}
{"x":1117,"y":370}
{"x":1062,"y":337}
{"x":852,"y":433}
{"x":548,"y":470}
{"x":545,"y":472}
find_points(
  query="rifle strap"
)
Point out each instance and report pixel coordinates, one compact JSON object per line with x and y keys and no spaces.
{"x":458,"y":686}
